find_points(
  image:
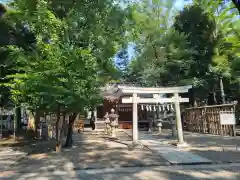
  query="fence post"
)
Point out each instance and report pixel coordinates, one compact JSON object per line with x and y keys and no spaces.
{"x":234,"y":126}
{"x":204,"y":119}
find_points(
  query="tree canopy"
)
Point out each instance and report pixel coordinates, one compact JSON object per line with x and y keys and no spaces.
{"x":197,"y":45}
{"x":71,"y":52}
{"x":62,"y":52}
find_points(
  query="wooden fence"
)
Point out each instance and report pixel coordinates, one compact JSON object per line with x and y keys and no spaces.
{"x":206,"y":119}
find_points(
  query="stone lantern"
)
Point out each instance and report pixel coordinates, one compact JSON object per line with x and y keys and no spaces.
{"x":159,"y":125}
{"x":113,"y":122}
{"x":171,"y":119}
{"x":107,"y":124}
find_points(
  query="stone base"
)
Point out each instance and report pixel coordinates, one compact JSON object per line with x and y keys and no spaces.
{"x":134,"y":145}
{"x":181,"y":145}
{"x":135,"y":142}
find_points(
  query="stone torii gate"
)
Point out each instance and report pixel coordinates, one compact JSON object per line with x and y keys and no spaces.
{"x":176,"y":99}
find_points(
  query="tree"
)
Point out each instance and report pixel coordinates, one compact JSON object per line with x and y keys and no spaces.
{"x":10,"y":35}
{"x":203,"y":37}
{"x":195,"y":50}
{"x":159,"y":48}
{"x":237,"y":4}
{"x":225,"y":20}
{"x":72,"y":58}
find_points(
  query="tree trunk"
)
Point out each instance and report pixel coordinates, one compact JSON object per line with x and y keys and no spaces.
{"x":64,"y":125}
{"x":193,"y":100}
{"x":36,"y":119}
{"x":212,"y":100}
{"x":214,"y":97}
{"x":58,"y":131}
{"x":18,"y":118}
{"x":69,"y":139}
{"x":222,"y":90}
{"x":93,"y":119}
{"x":238,"y":105}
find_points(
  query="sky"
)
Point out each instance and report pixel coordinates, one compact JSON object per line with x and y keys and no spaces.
{"x":181,"y":3}
{"x":3,"y":1}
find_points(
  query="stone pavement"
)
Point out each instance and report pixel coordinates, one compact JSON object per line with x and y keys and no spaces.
{"x":95,"y":156}
{"x":196,"y":172}
{"x":212,"y":147}
{"x":9,"y":156}
{"x":91,"y":151}
{"x":193,"y":172}
{"x":172,"y":154}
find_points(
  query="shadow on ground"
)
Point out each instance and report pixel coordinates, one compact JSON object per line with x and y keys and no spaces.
{"x":92,"y":153}
{"x":21,"y":142}
{"x":213,"y":147}
{"x":158,"y":173}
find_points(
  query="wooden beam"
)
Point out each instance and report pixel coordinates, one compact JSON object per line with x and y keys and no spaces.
{"x":125,"y":105}
{"x":164,"y":90}
{"x":154,"y":100}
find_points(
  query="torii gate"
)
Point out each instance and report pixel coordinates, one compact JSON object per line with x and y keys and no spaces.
{"x":176,"y":99}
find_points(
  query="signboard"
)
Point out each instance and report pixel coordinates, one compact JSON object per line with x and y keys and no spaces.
{"x":227,"y":118}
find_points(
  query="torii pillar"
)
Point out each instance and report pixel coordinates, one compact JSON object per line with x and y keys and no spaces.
{"x":178,"y":119}
{"x":135,"y":119}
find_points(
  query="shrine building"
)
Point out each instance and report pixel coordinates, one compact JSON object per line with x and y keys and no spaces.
{"x":113,"y":98}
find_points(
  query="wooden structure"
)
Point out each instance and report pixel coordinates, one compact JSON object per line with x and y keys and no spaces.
{"x":206,"y":119}
{"x":113,"y":100}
